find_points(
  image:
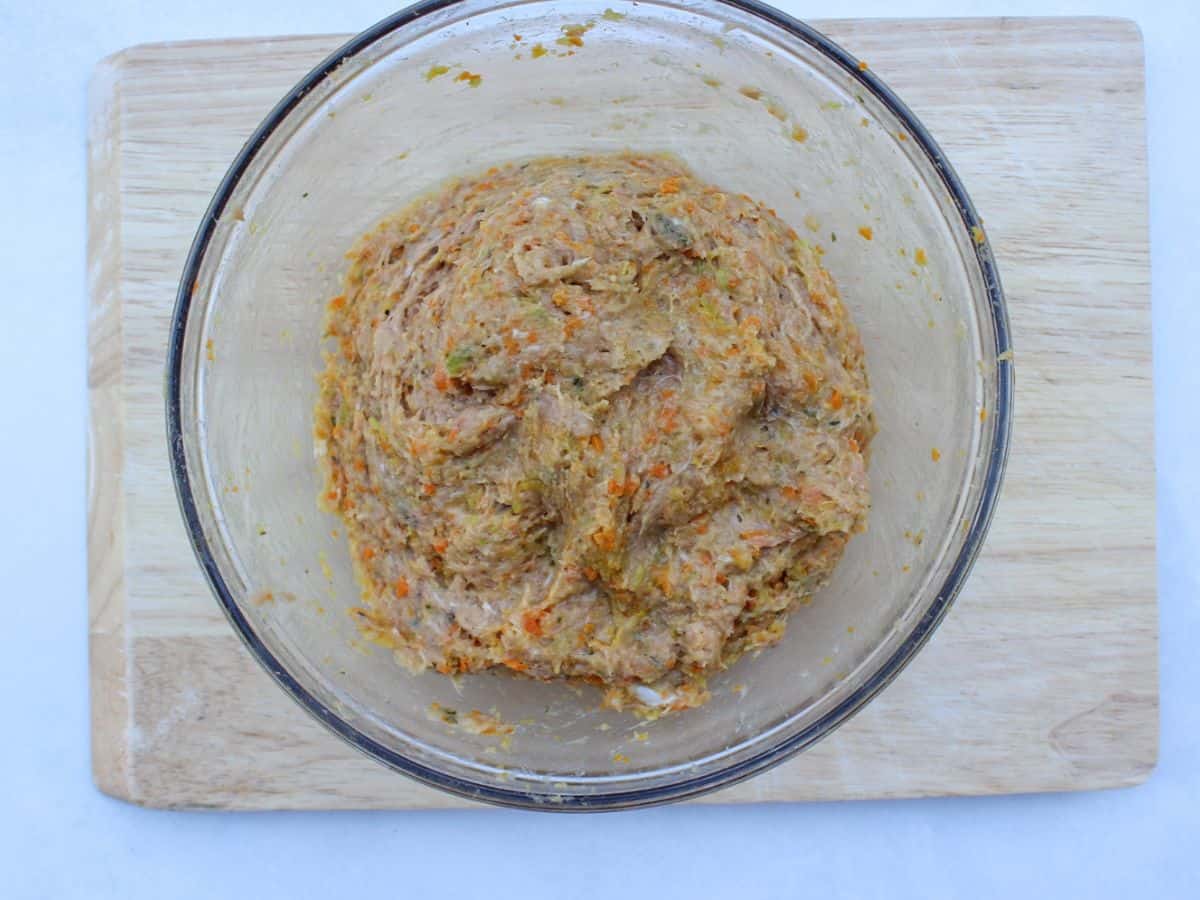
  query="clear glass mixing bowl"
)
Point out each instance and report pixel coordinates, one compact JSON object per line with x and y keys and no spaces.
{"x":755,"y":102}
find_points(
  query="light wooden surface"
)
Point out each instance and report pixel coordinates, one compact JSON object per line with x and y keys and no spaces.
{"x":1044,"y":677}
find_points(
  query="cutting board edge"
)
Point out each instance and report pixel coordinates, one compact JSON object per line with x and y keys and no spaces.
{"x":120,"y":59}
{"x":108,"y":660}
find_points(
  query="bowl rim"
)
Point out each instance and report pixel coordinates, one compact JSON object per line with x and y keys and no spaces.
{"x":687,"y":787}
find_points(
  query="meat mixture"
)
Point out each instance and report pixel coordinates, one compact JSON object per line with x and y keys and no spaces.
{"x":591,"y":418}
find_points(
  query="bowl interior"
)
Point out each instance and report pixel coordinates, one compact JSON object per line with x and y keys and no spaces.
{"x":749,"y":106}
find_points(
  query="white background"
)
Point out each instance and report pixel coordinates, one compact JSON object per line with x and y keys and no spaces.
{"x":59,"y":837}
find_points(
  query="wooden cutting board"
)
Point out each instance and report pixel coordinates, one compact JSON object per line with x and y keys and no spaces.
{"x":1045,"y":675}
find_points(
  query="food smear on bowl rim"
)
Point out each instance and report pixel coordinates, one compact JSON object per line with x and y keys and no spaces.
{"x":603,"y":421}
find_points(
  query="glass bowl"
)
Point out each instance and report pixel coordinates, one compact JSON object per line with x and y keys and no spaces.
{"x":755,"y":102}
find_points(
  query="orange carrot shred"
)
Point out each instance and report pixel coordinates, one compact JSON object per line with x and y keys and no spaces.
{"x":532,"y":622}
{"x":662,"y":578}
{"x":604,"y":538}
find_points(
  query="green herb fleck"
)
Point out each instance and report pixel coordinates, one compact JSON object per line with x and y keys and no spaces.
{"x":458,"y":359}
{"x":670,"y":231}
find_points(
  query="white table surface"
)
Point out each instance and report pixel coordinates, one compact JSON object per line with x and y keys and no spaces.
{"x":60,"y":838}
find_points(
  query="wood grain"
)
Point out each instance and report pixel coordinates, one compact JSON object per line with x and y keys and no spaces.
{"x":1043,"y":678}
